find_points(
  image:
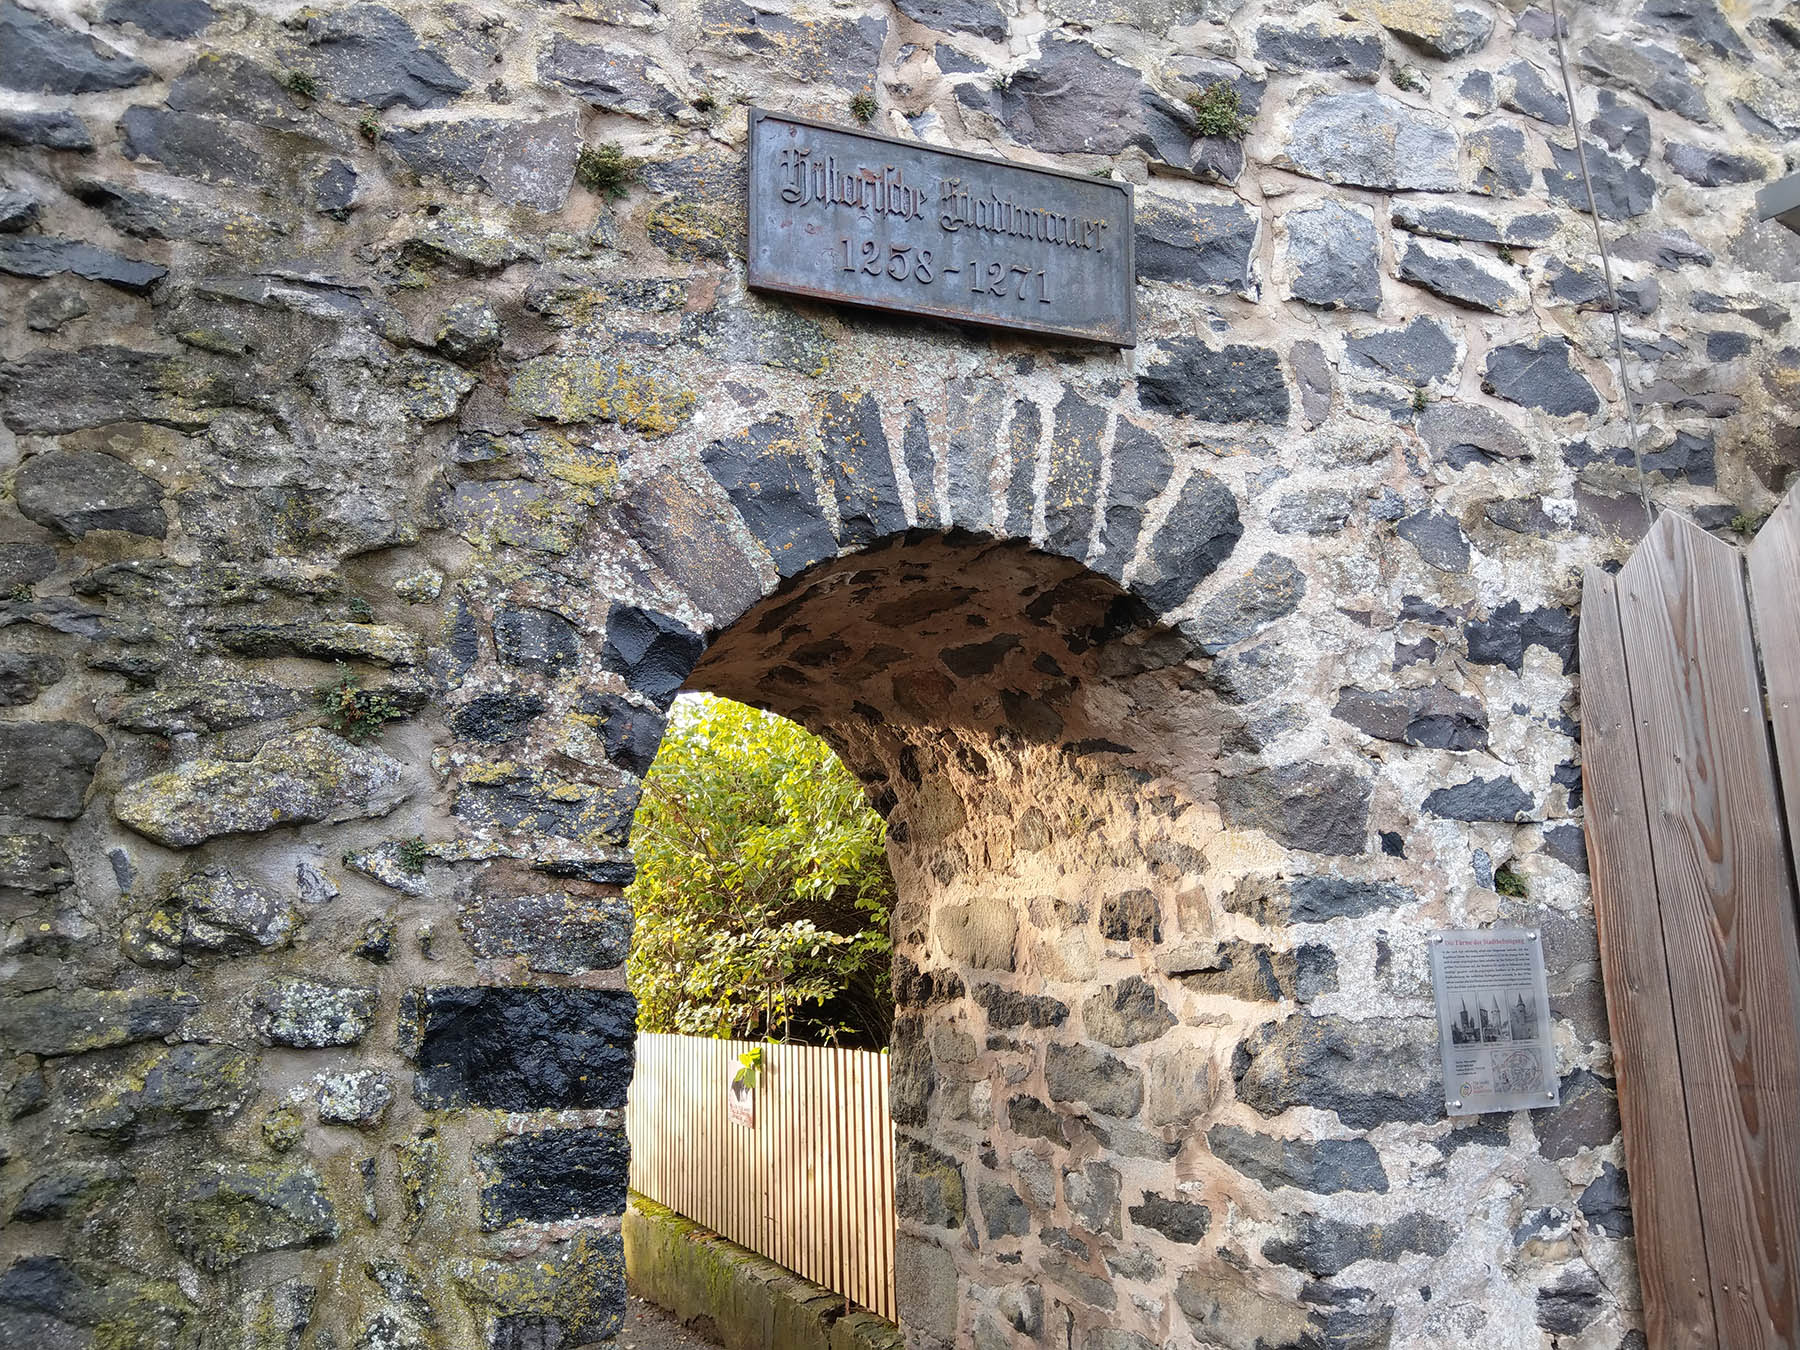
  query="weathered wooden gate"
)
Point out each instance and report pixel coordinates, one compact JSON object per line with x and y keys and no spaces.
{"x":1694,"y":881}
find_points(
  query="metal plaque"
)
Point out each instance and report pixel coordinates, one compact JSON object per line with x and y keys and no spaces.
{"x":843,"y":215}
{"x":1493,"y":1020}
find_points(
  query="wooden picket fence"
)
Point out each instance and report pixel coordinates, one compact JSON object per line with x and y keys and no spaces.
{"x":1693,"y":879}
{"x":810,"y":1185}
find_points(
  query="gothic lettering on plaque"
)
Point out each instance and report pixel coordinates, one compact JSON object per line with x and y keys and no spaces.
{"x":849,"y":216}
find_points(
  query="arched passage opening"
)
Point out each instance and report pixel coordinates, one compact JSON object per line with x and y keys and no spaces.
{"x":1072,"y":986}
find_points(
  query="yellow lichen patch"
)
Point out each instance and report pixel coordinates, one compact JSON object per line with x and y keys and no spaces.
{"x":599,"y":389}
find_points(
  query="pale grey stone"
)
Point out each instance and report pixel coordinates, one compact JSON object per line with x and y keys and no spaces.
{"x":1370,"y":140}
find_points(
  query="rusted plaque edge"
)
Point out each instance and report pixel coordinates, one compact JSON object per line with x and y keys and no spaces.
{"x":898,"y":225}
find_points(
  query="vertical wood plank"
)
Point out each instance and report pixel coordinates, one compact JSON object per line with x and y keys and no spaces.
{"x":1727,"y":912}
{"x":1775,"y":597}
{"x":1672,"y":1267}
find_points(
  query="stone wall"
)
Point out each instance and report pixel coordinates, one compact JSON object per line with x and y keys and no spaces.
{"x":1197,"y":681}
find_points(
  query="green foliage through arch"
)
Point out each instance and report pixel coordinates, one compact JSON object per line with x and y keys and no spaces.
{"x":763,"y":893}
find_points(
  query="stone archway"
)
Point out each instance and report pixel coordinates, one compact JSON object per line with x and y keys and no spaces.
{"x":316,"y":351}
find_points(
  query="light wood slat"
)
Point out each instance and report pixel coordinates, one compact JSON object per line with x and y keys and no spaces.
{"x":811,"y":1187}
{"x":1727,"y":915}
{"x":1775,"y":599}
{"x":1672,"y":1266}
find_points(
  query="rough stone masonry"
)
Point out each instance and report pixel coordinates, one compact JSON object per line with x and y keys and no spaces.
{"x":1197,"y":681}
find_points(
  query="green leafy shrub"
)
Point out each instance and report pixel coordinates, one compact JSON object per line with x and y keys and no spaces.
{"x":762,"y":893}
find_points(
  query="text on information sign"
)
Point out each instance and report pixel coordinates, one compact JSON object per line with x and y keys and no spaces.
{"x":843,"y":215}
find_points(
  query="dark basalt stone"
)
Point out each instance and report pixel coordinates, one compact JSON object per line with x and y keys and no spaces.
{"x":652,"y":651}
{"x":494,"y":719}
{"x":1540,"y":374}
{"x":1177,"y":1219}
{"x":367,"y":54}
{"x":1200,"y":532}
{"x":979,"y":17}
{"x":1335,"y":254}
{"x":524,"y":162}
{"x":763,"y":470}
{"x":559,"y":933}
{"x":1127,"y":1013}
{"x":1417,"y":354}
{"x":1353,"y":53}
{"x":1501,"y":639}
{"x":1204,"y":244}
{"x":18,"y":212}
{"x":1131,"y":916}
{"x":630,"y":734}
{"x":1712,"y":168}
{"x":52,"y":130}
{"x":1072,"y":100}
{"x":1569,"y":1304}
{"x":34,"y":863}
{"x":192,"y":145}
{"x":1498,"y":799}
{"x":537,"y":639}
{"x":521,"y":1049}
{"x":552,"y":1175}
{"x":1323,"y":1166}
{"x":607,"y":79}
{"x":42,"y":57}
{"x":1645,"y":68}
{"x":1622,"y":190}
{"x":170,"y":20}
{"x":1316,"y":807}
{"x":1081,"y":1073}
{"x":855,"y":449}
{"x":1327,"y":1246}
{"x":66,"y":1022}
{"x":1236,"y":383}
{"x":76,"y":491}
{"x":1141,"y":465}
{"x":1369,"y":1072}
{"x":1074,"y":479}
{"x":1007,"y":1009}
{"x":46,"y":767}
{"x":1438,"y":538}
{"x":1606,"y":1203}
{"x":1429,"y":716}
{"x":237,"y":1210}
{"x":25,"y":675}
{"x":1587,"y":1117}
{"x":36,"y":255}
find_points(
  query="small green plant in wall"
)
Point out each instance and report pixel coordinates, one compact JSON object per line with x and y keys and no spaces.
{"x":412,"y":855}
{"x":355,"y":713}
{"x":1218,"y":111}
{"x":607,"y":169}
{"x":863,"y":107}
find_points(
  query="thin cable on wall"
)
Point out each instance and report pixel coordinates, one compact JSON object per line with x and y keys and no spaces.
{"x":1612,"y":295}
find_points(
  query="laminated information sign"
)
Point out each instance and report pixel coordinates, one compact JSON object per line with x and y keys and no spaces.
{"x":1493,"y":1013}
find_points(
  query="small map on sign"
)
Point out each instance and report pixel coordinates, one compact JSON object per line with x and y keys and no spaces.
{"x":1493,"y":1020}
